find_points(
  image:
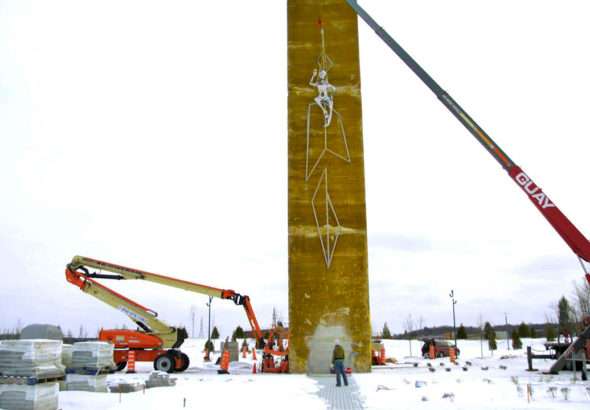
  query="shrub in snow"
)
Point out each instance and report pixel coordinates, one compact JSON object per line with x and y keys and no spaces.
{"x":450,"y":396}
{"x":565,"y":391}
{"x":551,"y":390}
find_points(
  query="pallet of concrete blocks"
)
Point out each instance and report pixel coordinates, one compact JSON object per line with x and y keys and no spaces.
{"x":92,"y":355}
{"x":35,"y":359}
{"x":66,"y":355}
{"x":125,"y":385}
{"x":159,"y":379}
{"x":42,"y":396}
{"x":83,"y":382}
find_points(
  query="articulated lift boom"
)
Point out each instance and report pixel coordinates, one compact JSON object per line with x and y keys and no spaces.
{"x":156,"y":341}
{"x":570,"y":234}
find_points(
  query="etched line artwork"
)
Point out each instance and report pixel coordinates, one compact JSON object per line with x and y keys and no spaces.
{"x":326,"y":219}
{"x":318,"y":137}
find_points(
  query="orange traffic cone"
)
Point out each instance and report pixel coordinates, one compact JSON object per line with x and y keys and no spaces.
{"x":131,"y":361}
{"x":452,"y":354}
{"x":254,"y":368}
{"x":254,"y":353}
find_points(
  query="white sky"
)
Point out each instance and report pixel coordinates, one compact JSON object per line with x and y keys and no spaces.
{"x":154,"y":134}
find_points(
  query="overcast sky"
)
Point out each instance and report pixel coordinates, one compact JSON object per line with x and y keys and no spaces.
{"x":154,"y":134}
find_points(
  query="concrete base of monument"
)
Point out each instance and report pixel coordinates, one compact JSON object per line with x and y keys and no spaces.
{"x":321,"y":345}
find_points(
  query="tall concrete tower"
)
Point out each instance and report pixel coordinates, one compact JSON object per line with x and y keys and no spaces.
{"x":328,"y":273}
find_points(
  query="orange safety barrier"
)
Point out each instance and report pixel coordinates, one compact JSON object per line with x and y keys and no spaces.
{"x":224,"y":365}
{"x":131,"y":361}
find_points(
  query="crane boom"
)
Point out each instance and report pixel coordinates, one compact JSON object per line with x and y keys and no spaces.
{"x":567,"y":230}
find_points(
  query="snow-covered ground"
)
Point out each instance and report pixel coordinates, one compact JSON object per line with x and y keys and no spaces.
{"x":402,"y":386}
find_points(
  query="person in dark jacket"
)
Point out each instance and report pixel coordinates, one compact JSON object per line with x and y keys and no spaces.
{"x":338,"y":362}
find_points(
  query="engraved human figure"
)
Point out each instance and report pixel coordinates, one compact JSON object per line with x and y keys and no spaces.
{"x":324,"y":99}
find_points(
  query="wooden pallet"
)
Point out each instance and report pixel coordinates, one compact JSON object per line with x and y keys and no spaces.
{"x":89,"y":371}
{"x":29,"y":380}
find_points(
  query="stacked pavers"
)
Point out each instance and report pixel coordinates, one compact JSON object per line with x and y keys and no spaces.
{"x":89,"y":364}
{"x":159,"y":379}
{"x":82,"y":382}
{"x":29,"y":374}
{"x":92,"y":355}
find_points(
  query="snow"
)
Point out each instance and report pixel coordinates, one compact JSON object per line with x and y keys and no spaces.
{"x":399,"y":386}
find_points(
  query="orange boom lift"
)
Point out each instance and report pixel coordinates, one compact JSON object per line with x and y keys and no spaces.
{"x":154,"y":340}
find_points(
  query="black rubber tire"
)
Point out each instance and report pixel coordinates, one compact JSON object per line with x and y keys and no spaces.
{"x":121,"y":366}
{"x":185,"y":363}
{"x":164,"y":363}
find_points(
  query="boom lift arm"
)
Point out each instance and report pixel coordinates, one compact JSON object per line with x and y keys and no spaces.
{"x":159,"y":333}
{"x":570,"y":234}
{"x":77,"y":272}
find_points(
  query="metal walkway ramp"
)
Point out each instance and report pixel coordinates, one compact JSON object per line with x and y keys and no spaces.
{"x":339,"y":398}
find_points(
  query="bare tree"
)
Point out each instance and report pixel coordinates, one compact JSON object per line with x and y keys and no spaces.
{"x":581,"y":299}
{"x":409,"y":328}
{"x":193,"y":314}
{"x":421,"y":323}
{"x":480,"y":323}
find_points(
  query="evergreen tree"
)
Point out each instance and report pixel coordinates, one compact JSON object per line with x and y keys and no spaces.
{"x":209,"y":346}
{"x":238,"y":333}
{"x":492,"y":345}
{"x":523,"y":330}
{"x":488,"y":330}
{"x":386,"y":334}
{"x":533,"y":333}
{"x":549,"y":332}
{"x":516,"y":342}
{"x":461,"y":333}
{"x":563,"y":315}
{"x":215,"y":333}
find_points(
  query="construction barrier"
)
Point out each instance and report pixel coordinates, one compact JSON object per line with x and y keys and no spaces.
{"x":131,"y":361}
{"x":224,"y":365}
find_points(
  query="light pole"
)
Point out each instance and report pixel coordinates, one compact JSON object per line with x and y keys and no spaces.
{"x":209,"y":330}
{"x":507,"y":332}
{"x":452,"y":296}
{"x":193,"y":312}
